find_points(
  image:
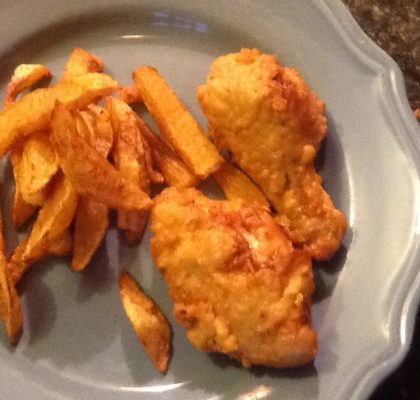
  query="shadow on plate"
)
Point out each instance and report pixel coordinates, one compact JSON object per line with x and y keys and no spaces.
{"x":331,"y":165}
{"x":98,"y":275}
{"x":37,"y":300}
{"x":223,"y":361}
{"x":66,"y":338}
{"x":326,"y":274}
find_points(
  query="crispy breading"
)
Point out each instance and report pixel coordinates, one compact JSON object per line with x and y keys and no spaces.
{"x":238,"y":285}
{"x":265,"y":115}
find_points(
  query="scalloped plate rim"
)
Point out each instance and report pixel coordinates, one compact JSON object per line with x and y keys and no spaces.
{"x":372,"y":55}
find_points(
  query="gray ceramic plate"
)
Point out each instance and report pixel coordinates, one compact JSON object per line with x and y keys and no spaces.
{"x":77,"y":342}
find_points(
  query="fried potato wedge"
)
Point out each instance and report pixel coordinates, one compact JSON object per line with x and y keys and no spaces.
{"x":237,"y":185}
{"x":128,"y":152}
{"x":24,"y":77}
{"x":177,"y":126}
{"x":62,"y":245}
{"x":103,"y":131}
{"x":173,"y":169}
{"x":81,"y":62}
{"x":36,"y":168}
{"x":129,"y":158}
{"x":33,"y":111}
{"x":84,"y":89}
{"x":128,"y":94}
{"x":10,"y":310}
{"x":133,"y":223}
{"x":154,"y":175}
{"x":17,"y":266}
{"x":94,"y":126}
{"x":84,"y":122}
{"x":91,"y":223}
{"x":91,"y":220}
{"x":88,"y":171}
{"x":53,"y":219}
{"x":21,"y":210}
{"x":151,"y":327}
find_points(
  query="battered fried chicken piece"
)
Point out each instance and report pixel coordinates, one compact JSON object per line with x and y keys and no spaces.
{"x":238,"y":285}
{"x":272,"y":124}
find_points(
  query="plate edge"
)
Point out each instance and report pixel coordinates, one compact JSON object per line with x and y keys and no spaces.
{"x":368,"y":52}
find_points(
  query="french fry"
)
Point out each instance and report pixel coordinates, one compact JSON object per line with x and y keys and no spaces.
{"x":154,"y":175}
{"x":173,"y":169}
{"x":133,"y":223}
{"x":84,"y":125}
{"x":36,"y":168}
{"x":128,"y":94}
{"x":53,"y":219}
{"x":24,"y":77}
{"x":236,"y":185}
{"x":88,"y":171}
{"x":81,"y":62}
{"x":94,"y":126}
{"x":62,"y":245}
{"x":129,"y":151}
{"x":177,"y":126}
{"x":129,"y":158}
{"x":103,"y":138}
{"x":33,"y":111}
{"x":84,"y":90}
{"x":151,"y":327}
{"x":91,"y":220}
{"x":21,"y":210}
{"x":17,"y":266}
{"x":90,"y":227}
{"x":10,"y":311}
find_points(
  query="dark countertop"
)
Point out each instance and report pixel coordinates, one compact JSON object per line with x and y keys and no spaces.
{"x":404,"y":383}
{"x":395,"y":26}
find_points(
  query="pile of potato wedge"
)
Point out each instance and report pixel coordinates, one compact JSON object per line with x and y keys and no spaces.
{"x":78,"y":150}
